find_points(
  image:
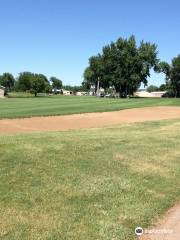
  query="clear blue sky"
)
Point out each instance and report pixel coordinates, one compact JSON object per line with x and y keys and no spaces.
{"x":56,"y":37}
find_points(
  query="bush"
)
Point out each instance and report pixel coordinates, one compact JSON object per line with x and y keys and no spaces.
{"x":169,"y":94}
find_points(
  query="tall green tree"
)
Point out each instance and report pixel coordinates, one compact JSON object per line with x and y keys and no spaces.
{"x":95,"y":73}
{"x":25,"y":81}
{"x":172,"y":72}
{"x":175,"y":75}
{"x":39,"y":84}
{"x":7,"y":80}
{"x":32,"y":82}
{"x":152,"y":88}
{"x":163,"y":87}
{"x":120,"y":61}
{"x":88,"y":78}
{"x":56,"y":83}
{"x":122,"y":65}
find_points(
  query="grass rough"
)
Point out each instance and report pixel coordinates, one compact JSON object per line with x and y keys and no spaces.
{"x":63,"y":105}
{"x":88,"y":184}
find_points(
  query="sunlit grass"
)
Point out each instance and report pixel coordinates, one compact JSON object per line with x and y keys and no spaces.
{"x":61,"y":105}
{"x":88,"y":184}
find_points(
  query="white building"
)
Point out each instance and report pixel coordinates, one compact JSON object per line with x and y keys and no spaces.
{"x":81,"y":93}
{"x":158,"y":94}
{"x":62,"y":91}
{"x":98,"y":92}
{"x":66,"y":92}
{"x":2,"y":91}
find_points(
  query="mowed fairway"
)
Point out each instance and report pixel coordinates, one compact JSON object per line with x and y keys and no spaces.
{"x":88,"y":184}
{"x":63,"y":105}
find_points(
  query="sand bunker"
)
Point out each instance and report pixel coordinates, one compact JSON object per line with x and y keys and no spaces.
{"x":87,"y":120}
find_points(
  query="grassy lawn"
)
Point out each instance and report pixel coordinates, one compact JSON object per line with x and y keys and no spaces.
{"x":88,"y":184}
{"x":61,"y":105}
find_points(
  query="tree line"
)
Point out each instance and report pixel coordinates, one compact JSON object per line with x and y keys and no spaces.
{"x":30,"y":82}
{"x":35,"y":83}
{"x":124,"y":66}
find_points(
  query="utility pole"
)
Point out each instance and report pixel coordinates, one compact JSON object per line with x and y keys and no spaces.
{"x":98,"y":89}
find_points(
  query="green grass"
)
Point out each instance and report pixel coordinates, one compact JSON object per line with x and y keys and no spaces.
{"x":61,"y":105}
{"x":88,"y":184}
{"x":20,"y":95}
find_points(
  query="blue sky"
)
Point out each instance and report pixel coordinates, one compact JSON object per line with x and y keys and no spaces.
{"x":56,"y":37}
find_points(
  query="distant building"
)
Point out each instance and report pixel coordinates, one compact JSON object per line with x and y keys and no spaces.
{"x":98,"y":92}
{"x":2,"y":90}
{"x":158,"y":94}
{"x":62,"y":91}
{"x":66,"y":92}
{"x":92,"y":90}
{"x":81,"y":93}
{"x":57,"y":91}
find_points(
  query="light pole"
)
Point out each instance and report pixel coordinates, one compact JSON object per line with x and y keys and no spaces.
{"x":98,"y":89}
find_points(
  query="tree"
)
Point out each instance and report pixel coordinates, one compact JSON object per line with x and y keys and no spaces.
{"x":48,"y":88}
{"x":152,"y":88}
{"x":172,"y":72}
{"x":164,"y":87}
{"x":56,"y":83}
{"x":38,"y":84}
{"x":165,"y":68}
{"x":95,"y":72}
{"x":175,"y":75}
{"x":88,"y":78}
{"x":44,"y":78}
{"x":25,"y":81}
{"x":32,"y":82}
{"x":122,"y":65}
{"x":8,"y":81}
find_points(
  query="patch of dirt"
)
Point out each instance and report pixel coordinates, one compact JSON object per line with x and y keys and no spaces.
{"x":87,"y":120}
{"x":168,"y":228}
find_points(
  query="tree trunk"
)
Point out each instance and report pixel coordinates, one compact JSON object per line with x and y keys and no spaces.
{"x":98,"y":89}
